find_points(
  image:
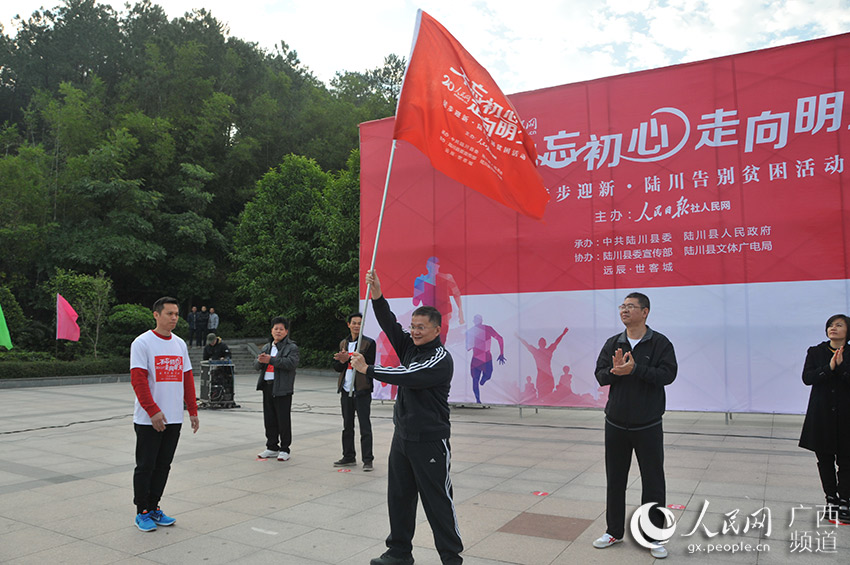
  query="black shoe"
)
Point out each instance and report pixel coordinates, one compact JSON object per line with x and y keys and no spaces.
{"x":843,"y":511}
{"x":387,"y":559}
{"x":831,"y":508}
{"x":345,"y":462}
{"x":367,"y":466}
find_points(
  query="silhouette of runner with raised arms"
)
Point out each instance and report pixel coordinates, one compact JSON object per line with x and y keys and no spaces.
{"x":543,"y":358}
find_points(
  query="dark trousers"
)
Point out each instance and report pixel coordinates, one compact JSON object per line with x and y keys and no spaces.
{"x":421,"y":469}
{"x":361,"y":405}
{"x":277,"y":420}
{"x":834,"y":484}
{"x":191,"y":339}
{"x":648,"y":446}
{"x":200,"y":336}
{"x":154,"y":453}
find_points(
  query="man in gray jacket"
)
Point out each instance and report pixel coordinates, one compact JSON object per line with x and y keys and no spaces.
{"x":277,"y":362}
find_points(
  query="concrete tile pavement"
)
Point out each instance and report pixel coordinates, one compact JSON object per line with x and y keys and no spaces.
{"x":66,"y":462}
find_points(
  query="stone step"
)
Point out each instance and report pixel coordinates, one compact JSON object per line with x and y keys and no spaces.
{"x":242,"y":357}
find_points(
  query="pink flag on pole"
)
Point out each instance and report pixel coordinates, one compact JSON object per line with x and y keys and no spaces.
{"x":66,"y":320}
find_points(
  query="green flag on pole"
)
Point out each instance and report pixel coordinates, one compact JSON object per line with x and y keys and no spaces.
{"x":4,"y":331}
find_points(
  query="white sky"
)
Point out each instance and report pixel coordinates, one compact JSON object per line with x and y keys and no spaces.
{"x":525,"y":44}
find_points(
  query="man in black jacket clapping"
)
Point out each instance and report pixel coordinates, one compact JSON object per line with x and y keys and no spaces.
{"x":637,"y":364}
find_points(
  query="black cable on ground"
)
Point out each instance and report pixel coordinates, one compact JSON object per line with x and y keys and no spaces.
{"x":310,"y":409}
{"x":68,"y":425}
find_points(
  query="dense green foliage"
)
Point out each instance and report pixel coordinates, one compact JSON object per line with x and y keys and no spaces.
{"x":165,"y":158}
{"x":287,"y":254}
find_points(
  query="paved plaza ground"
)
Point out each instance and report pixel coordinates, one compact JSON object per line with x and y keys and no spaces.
{"x":529,"y":486}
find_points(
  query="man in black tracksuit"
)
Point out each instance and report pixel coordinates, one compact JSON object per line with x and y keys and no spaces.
{"x":420,"y":455}
{"x":637,"y":364}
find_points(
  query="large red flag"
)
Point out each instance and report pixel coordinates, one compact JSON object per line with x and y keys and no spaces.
{"x":66,"y":320}
{"x":451,"y":109}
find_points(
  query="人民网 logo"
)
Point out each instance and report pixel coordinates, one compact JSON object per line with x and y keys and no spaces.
{"x":642,"y":528}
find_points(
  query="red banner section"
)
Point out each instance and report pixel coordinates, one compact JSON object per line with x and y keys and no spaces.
{"x":725,"y":171}
{"x":453,"y":111}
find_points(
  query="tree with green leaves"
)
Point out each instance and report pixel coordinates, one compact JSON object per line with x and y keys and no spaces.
{"x":145,"y":152}
{"x":273,"y":243}
{"x":337,"y":252}
{"x":296,"y":248}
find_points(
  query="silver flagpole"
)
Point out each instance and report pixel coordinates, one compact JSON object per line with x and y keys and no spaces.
{"x":375,"y":250}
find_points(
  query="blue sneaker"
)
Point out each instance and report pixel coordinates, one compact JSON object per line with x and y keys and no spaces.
{"x":144,"y":522}
{"x":160,"y":519}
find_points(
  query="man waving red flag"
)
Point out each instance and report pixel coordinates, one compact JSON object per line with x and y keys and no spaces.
{"x":451,"y":109}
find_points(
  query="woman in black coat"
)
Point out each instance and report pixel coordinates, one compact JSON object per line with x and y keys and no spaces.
{"x":826,"y":429}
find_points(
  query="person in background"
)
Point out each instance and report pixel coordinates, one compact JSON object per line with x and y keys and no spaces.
{"x":826,"y":428}
{"x":277,"y":362}
{"x":212,"y":323}
{"x":201,"y":322}
{"x":355,"y":390}
{"x":215,"y":348}
{"x":191,"y":319}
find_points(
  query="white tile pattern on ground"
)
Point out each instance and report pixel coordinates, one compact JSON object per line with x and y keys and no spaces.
{"x":66,"y":463}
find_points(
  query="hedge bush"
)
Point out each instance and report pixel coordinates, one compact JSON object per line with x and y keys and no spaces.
{"x":130,"y":319}
{"x":24,"y":355}
{"x":86,"y":366}
{"x":126,"y":322}
{"x":315,"y":358}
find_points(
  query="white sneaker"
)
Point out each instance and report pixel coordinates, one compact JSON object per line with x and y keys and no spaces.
{"x":267,"y":454}
{"x":658,"y":551}
{"x":283,"y":456}
{"x":606,"y":540}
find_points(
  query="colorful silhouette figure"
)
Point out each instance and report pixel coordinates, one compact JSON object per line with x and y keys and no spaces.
{"x":437,"y":289}
{"x":543,"y":358}
{"x":388,"y":358}
{"x":530,"y":393}
{"x":566,"y":397}
{"x":479,"y":339}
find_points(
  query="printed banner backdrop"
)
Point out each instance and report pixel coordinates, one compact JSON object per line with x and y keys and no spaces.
{"x":717,"y":188}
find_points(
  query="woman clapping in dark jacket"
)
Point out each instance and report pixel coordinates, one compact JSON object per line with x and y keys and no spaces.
{"x":826,"y":429}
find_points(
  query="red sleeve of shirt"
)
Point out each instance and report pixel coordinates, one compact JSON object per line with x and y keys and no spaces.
{"x":189,"y":393}
{"x":139,"y":380}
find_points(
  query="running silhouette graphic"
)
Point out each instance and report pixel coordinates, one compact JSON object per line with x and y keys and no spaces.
{"x":479,"y":339}
{"x":437,"y":289}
